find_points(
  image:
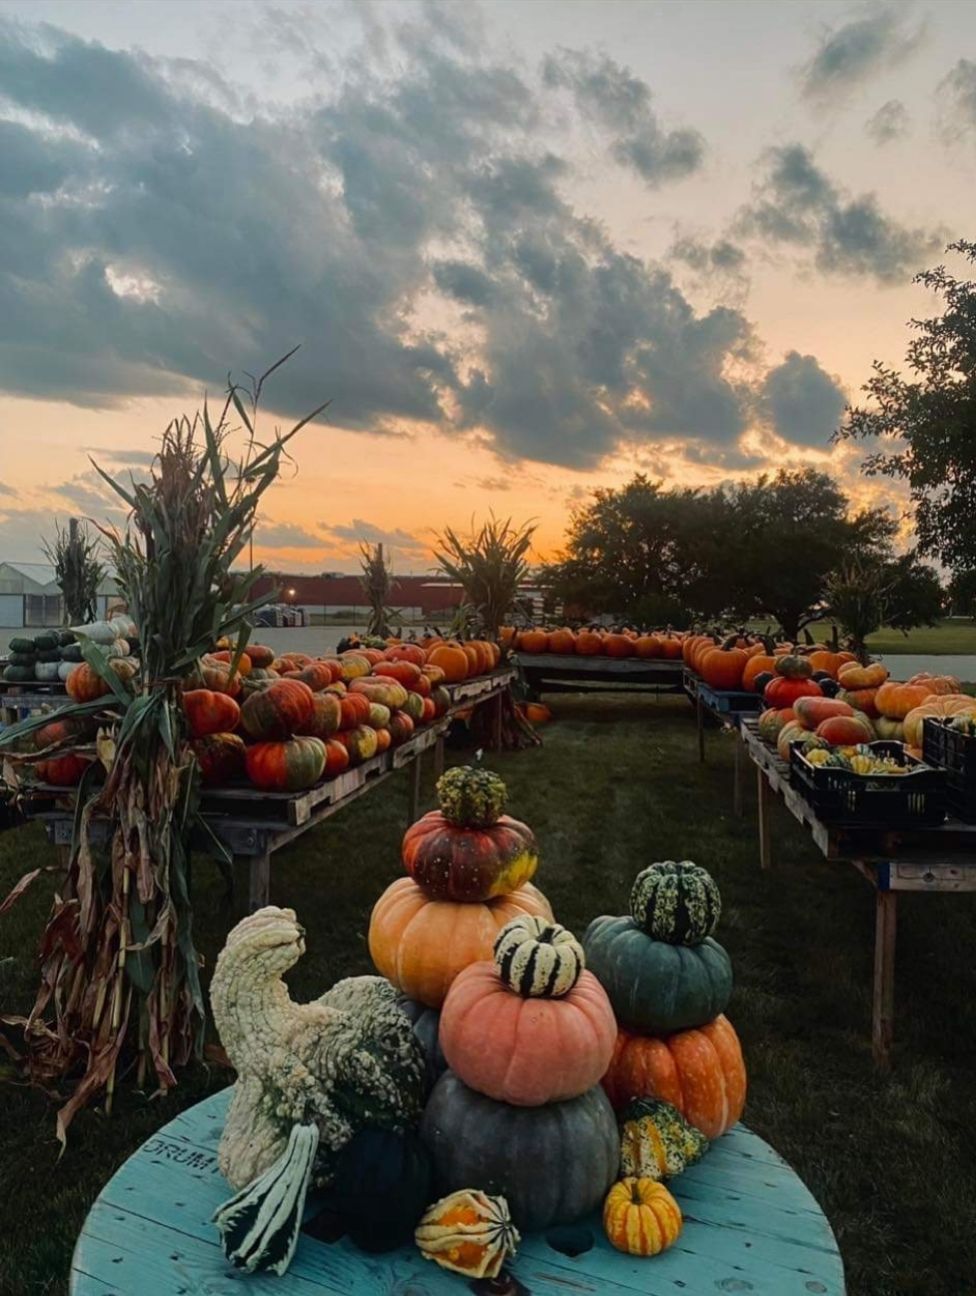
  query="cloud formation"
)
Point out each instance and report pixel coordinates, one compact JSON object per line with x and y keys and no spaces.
{"x":359,"y":531}
{"x":620,"y":104}
{"x":285,"y":535}
{"x":797,"y":204}
{"x":154,"y":231}
{"x":802,"y":401}
{"x":889,"y":123}
{"x":853,"y":52}
{"x":957,"y":96}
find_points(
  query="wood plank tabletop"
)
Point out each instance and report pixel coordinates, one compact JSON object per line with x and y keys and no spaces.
{"x":751,"y":1226}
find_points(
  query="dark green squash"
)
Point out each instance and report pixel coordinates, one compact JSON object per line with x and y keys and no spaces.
{"x":654,"y":987}
{"x":471,"y":797}
{"x":552,"y":1164}
{"x":676,"y":902}
{"x":426,"y":1024}
{"x":382,"y":1186}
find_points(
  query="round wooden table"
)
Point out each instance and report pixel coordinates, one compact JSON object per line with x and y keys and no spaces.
{"x":751,"y":1226}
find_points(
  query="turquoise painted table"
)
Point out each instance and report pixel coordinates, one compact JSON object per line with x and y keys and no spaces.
{"x":750,"y":1227}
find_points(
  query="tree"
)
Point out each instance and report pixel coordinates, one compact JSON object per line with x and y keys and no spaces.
{"x":783,"y":537}
{"x":865,"y":594}
{"x":961,"y":593}
{"x":641,"y":552}
{"x":74,"y":555}
{"x":929,"y":420}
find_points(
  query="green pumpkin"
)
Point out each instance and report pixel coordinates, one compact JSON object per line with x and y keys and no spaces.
{"x":654,"y":987}
{"x":18,"y":674}
{"x":470,"y":797}
{"x":18,"y":645}
{"x":656,"y":1142}
{"x":676,"y":902}
{"x":382,"y":1186}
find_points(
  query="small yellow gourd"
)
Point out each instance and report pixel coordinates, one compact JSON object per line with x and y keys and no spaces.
{"x":469,"y":1233}
{"x":641,"y":1217}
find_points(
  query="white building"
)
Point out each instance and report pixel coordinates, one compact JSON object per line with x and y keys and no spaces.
{"x":30,"y":598}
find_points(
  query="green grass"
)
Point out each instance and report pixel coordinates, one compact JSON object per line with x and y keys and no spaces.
{"x":955,"y":636}
{"x":615,"y":786}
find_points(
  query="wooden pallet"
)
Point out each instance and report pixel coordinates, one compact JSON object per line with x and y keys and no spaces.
{"x":751,"y":1226}
{"x":566,"y":673}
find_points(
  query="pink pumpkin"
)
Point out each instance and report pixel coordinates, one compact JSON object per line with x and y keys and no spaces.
{"x":526,"y":1051}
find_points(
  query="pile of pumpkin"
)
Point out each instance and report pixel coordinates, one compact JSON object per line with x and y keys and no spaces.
{"x":519,"y":1024}
{"x":595,"y":642}
{"x":285,"y":722}
{"x":51,"y":655}
{"x":859,"y":706}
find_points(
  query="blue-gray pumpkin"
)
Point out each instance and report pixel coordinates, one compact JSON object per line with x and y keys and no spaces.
{"x":552,"y":1164}
{"x":426,"y":1023}
{"x":656,"y":987}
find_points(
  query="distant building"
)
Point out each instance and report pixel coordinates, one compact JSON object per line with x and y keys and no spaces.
{"x":30,"y":598}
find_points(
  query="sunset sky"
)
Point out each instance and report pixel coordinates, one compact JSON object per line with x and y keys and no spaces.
{"x":527,"y":247}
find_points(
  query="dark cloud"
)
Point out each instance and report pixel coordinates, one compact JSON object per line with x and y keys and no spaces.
{"x":723,"y":255}
{"x":801,"y":400}
{"x":890,"y":122}
{"x":155,"y":234}
{"x":798,"y":204}
{"x":853,"y":52}
{"x":620,"y":104}
{"x":957,"y":95}
{"x":285,"y":535}
{"x":359,"y":531}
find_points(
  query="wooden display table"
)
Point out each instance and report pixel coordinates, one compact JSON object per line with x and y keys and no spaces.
{"x":567,"y":673}
{"x":728,"y":709}
{"x":751,"y":1226}
{"x":251,"y":825}
{"x":917,"y":859}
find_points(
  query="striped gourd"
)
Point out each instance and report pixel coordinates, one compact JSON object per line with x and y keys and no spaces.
{"x":469,"y":1233}
{"x":676,"y":902}
{"x":537,"y":958}
{"x":656,"y":1142}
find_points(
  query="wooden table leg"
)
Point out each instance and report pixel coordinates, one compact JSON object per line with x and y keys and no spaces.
{"x":762,"y":795}
{"x":439,"y":757}
{"x":738,"y":777}
{"x":496,"y":722}
{"x":883,"y":1008}
{"x":259,"y":882}
{"x":414,"y":810}
{"x":700,"y":715}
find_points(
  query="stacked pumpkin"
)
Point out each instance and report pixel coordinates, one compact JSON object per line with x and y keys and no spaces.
{"x":468,"y":868}
{"x":594,"y":642}
{"x":669,"y":982}
{"x":527,"y":1035}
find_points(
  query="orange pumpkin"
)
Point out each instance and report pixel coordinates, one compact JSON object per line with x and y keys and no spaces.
{"x":812,"y":711}
{"x":62,"y":771}
{"x":772,"y":721}
{"x":408,"y":652}
{"x":532,"y":641}
{"x":723,"y":668}
{"x":208,"y":712}
{"x":759,"y":663}
{"x":562,"y":641}
{"x":896,"y":700}
{"x":506,"y":637}
{"x":589,"y":643}
{"x":317,"y":675}
{"x":84,"y":684}
{"x":216,"y":676}
{"x":421,"y":945}
{"x":946,"y":685}
{"x":221,"y":757}
{"x":537,"y":713}
{"x":452,"y":661}
{"x":244,"y":662}
{"x":852,"y":675}
{"x":336,"y":758}
{"x":700,"y":1071}
{"x":326,"y":716}
{"x":618,"y":645}
{"x":831,"y":662}
{"x":860,"y":699}
{"x":641,"y":1218}
{"x":938,"y":706}
{"x":647,"y":646}
{"x":404,"y":672}
{"x":845,"y":731}
{"x":288,"y":766}
{"x":353,"y":710}
{"x":670,"y":647}
{"x":260,"y":655}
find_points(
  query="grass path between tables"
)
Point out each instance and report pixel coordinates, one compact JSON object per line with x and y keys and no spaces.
{"x":892,"y":1159}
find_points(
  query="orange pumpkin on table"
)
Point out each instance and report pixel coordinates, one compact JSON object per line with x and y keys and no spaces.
{"x":831,"y":662}
{"x":421,"y":945}
{"x":562,"y":641}
{"x":896,"y":700}
{"x":589,"y":643}
{"x":700,"y":1071}
{"x":759,"y":663}
{"x":946,"y":685}
{"x":723,"y":668}
{"x":852,"y":675}
{"x":452,"y":661}
{"x":532,"y":641}
{"x":208,"y":712}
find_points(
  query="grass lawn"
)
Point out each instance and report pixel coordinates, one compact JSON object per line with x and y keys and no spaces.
{"x":891,"y":1158}
{"x":957,"y":635}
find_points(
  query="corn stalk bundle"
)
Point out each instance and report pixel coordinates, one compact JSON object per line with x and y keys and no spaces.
{"x":376,"y":582}
{"x":490,"y":564}
{"x":120,"y":983}
{"x":78,"y":571}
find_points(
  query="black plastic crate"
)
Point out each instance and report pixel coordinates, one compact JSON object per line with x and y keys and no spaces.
{"x":850,"y":800}
{"x":955,"y":753}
